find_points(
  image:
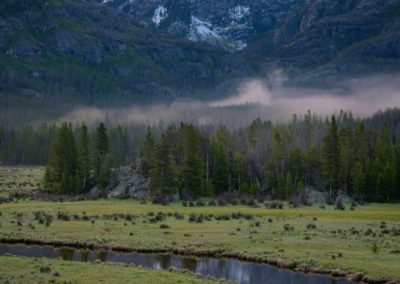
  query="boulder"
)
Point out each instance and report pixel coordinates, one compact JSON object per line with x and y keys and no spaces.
{"x":315,"y":196}
{"x":94,"y":192}
{"x":133,"y":184}
{"x":119,"y":190}
{"x":344,"y":197}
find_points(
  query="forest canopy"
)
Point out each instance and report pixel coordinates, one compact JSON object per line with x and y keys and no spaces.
{"x":360,"y":157}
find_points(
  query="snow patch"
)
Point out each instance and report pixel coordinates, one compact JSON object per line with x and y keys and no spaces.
{"x":107,"y":1}
{"x":239,"y":12}
{"x":160,"y":14}
{"x":201,"y":30}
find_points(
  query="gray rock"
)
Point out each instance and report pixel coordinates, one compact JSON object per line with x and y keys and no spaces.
{"x":124,"y":171}
{"x":94,"y":192}
{"x":344,"y":197}
{"x":315,"y":196}
{"x":130,"y":183}
{"x":119,"y":190}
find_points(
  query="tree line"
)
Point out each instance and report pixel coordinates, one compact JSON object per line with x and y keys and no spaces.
{"x":358,"y":156}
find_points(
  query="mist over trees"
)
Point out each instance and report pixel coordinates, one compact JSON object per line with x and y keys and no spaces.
{"x":359,"y":157}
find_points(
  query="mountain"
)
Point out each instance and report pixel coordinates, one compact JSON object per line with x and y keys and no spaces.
{"x":56,"y":52}
{"x":328,"y":40}
{"x":232,"y":25}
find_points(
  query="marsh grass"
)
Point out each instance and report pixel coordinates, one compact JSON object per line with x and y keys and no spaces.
{"x":335,"y":231}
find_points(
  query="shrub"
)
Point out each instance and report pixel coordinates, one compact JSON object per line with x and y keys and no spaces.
{"x":212,"y":203}
{"x":184,"y":203}
{"x":248,"y":216}
{"x":160,"y":199}
{"x":178,"y":216}
{"x":236,"y":215}
{"x":221,"y":201}
{"x":339,"y":205}
{"x":191,"y":204}
{"x":287,"y":227}
{"x":200,"y":218}
{"x":200,"y":203}
{"x":276,"y":205}
{"x":164,"y":226}
{"x":63,"y":216}
{"x":192,"y":217}
{"x":311,"y":226}
{"x":230,"y":197}
{"x":374,"y":247}
{"x":45,"y":269}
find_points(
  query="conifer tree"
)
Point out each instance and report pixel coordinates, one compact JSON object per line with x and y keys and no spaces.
{"x":331,"y":157}
{"x":221,"y":174}
{"x":63,"y":163}
{"x":84,"y":157}
{"x":147,"y":154}
{"x":163,"y":177}
{"x":192,"y":169}
{"x":101,"y":149}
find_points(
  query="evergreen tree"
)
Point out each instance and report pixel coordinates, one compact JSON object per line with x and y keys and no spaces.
{"x":63,"y":163}
{"x":147,"y":154}
{"x":346,"y":156}
{"x":84,"y":157}
{"x":238,"y":172}
{"x":163,"y":177}
{"x":289,"y":186}
{"x":275,"y":166}
{"x":101,"y":149}
{"x":358,"y":178}
{"x":384,"y":166}
{"x":221,"y":174}
{"x":331,"y":157}
{"x":192,"y":170}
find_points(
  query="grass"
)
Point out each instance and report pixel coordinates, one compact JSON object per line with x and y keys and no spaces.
{"x":339,"y":239}
{"x":19,"y":179}
{"x":30,"y":270}
{"x":365,"y":240}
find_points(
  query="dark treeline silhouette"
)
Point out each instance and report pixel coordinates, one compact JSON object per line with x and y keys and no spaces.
{"x":358,"y":156}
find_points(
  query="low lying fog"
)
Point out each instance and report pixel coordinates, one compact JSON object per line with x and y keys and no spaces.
{"x":266,"y":99}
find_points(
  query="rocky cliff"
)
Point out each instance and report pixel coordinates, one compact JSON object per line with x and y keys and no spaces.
{"x":232,"y":25}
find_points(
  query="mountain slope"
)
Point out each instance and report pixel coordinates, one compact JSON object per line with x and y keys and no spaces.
{"x":70,"y":51}
{"x":230,"y":24}
{"x":331,"y":39}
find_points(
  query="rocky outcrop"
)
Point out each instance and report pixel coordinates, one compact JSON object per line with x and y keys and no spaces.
{"x":133,"y":186}
{"x":230,"y":24}
{"x":315,"y":196}
{"x":343,"y":197}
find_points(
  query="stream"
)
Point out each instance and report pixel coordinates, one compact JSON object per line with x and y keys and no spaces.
{"x":235,"y":270}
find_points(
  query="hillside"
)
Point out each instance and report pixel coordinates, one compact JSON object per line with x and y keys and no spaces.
{"x":59,"y":53}
{"x":70,"y":51}
{"x":331,"y":40}
{"x":232,"y":25}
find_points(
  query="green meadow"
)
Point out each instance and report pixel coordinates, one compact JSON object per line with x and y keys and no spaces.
{"x":366,"y":239}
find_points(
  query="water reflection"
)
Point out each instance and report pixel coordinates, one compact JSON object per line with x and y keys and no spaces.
{"x":242,"y":272}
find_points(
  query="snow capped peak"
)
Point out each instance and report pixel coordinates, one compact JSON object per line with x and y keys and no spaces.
{"x":239,"y":12}
{"x":160,"y":14}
